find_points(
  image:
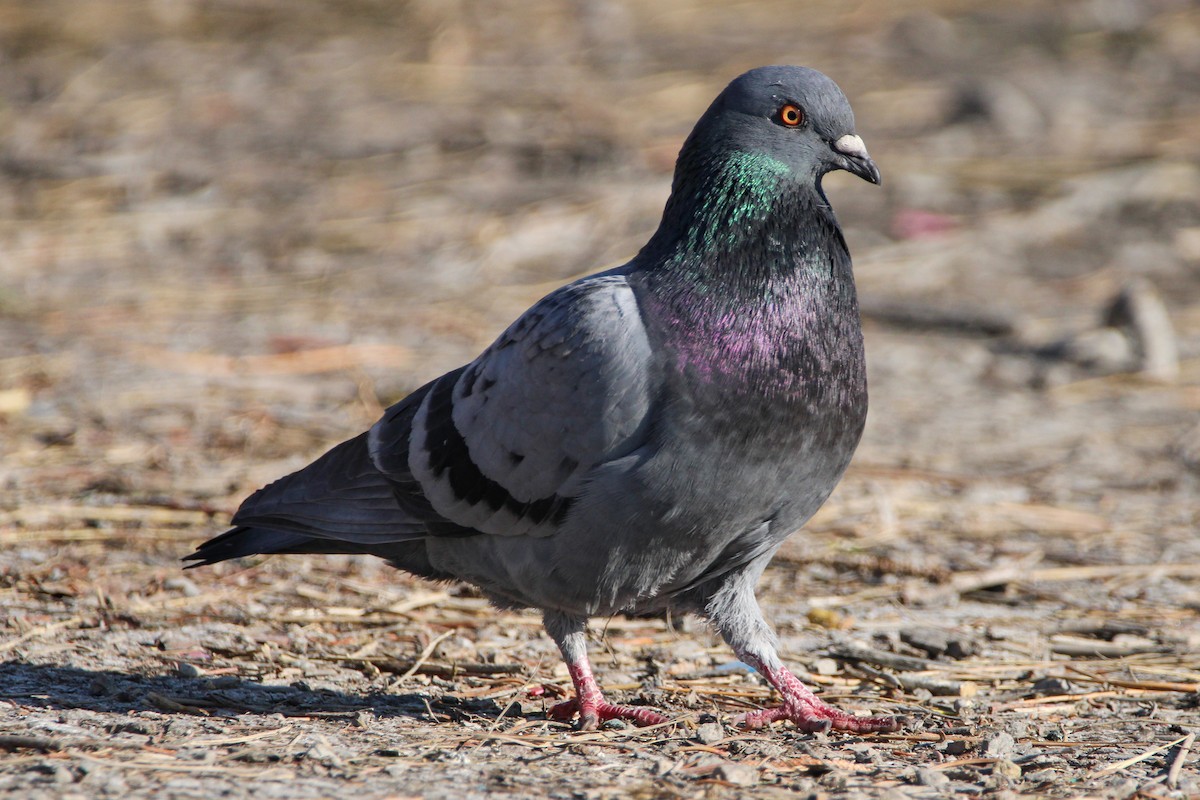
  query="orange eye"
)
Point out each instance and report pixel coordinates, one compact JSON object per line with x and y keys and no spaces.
{"x":791,"y":115}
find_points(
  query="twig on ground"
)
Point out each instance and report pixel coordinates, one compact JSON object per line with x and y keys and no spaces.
{"x":146,"y":515}
{"x":183,"y":705}
{"x":13,"y":742}
{"x":1072,"y":646}
{"x":1099,"y":571}
{"x":882,"y":658}
{"x":1149,"y":686}
{"x":910,"y":682}
{"x":252,"y":737}
{"x":41,"y":630}
{"x":910,"y":315}
{"x":967,"y":582}
{"x":425,"y":654}
{"x":1180,"y":759}
{"x":43,"y":535}
{"x":1052,"y":700}
{"x":1129,"y":762}
{"x":296,"y":362}
{"x":440,"y":669}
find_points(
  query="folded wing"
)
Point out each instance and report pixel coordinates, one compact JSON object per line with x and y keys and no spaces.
{"x":500,"y":446}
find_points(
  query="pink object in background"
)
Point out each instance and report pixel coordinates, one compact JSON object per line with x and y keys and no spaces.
{"x":911,"y":223}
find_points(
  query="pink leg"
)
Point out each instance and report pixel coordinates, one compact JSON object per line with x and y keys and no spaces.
{"x":590,"y":705}
{"x":809,"y":712}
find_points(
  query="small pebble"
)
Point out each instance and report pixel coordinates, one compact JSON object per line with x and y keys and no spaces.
{"x":1016,"y":728}
{"x":865,"y":753}
{"x":828,"y":618}
{"x":324,"y":753}
{"x":733,"y":668}
{"x":1123,"y":790}
{"x":1188,"y":449}
{"x":710,"y":733}
{"x":998,"y":745}
{"x":737,"y":774}
{"x":1103,"y":350}
{"x":931,"y":777}
{"x":825,"y":666}
{"x":1053,"y":686}
{"x":1139,"y":308}
{"x":1044,"y":776}
{"x":186,"y":670}
{"x":930,"y":640}
{"x":115,"y":785}
{"x":836,"y":780}
{"x":181,"y":584}
{"x":1006,"y":768}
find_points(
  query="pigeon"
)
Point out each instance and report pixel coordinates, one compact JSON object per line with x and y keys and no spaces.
{"x":643,"y":439}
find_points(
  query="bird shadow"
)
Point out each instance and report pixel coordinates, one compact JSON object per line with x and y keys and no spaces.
{"x":114,"y":691}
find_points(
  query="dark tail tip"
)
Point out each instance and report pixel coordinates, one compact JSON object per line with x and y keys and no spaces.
{"x":236,"y":543}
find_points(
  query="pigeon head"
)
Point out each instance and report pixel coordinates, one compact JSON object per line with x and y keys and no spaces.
{"x":794,"y":117}
{"x":748,"y":178}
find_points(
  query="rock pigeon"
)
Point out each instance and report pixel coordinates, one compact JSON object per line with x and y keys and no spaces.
{"x":644,"y":438}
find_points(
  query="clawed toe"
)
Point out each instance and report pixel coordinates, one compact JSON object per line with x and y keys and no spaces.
{"x":818,"y":719}
{"x":592,"y":714}
{"x":564,"y":711}
{"x":804,"y":721}
{"x":872,"y":725}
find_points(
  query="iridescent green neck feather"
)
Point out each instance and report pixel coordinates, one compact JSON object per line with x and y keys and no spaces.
{"x":743,"y":220}
{"x":715,"y":201}
{"x":743,"y":189}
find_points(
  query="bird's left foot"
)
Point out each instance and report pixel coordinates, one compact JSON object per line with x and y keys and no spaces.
{"x":809,"y":712}
{"x":596,"y":710}
{"x":818,"y":717}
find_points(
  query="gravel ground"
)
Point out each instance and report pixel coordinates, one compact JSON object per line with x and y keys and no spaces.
{"x":231,"y":231}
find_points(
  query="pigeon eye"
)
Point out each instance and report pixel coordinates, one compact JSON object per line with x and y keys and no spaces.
{"x":791,"y":115}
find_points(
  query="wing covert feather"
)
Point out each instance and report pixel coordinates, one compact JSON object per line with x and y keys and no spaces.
{"x":505,"y":444}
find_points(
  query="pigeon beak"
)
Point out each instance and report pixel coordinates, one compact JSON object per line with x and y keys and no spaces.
{"x":855,"y":159}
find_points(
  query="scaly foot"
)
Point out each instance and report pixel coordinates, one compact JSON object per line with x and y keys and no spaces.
{"x":592,"y":708}
{"x":596,"y":711}
{"x":814,"y":718}
{"x":809,"y":712}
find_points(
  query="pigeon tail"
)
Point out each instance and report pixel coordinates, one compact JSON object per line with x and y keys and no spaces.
{"x":341,"y":503}
{"x":242,"y":542}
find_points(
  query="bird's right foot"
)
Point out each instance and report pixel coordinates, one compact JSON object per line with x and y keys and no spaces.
{"x":590,"y":705}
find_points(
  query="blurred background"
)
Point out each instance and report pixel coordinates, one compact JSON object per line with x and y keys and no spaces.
{"x":232,"y":231}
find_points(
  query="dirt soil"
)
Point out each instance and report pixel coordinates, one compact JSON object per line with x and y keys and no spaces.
{"x":231,"y":231}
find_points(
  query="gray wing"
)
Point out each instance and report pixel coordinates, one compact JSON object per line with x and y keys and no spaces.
{"x":505,"y":445}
